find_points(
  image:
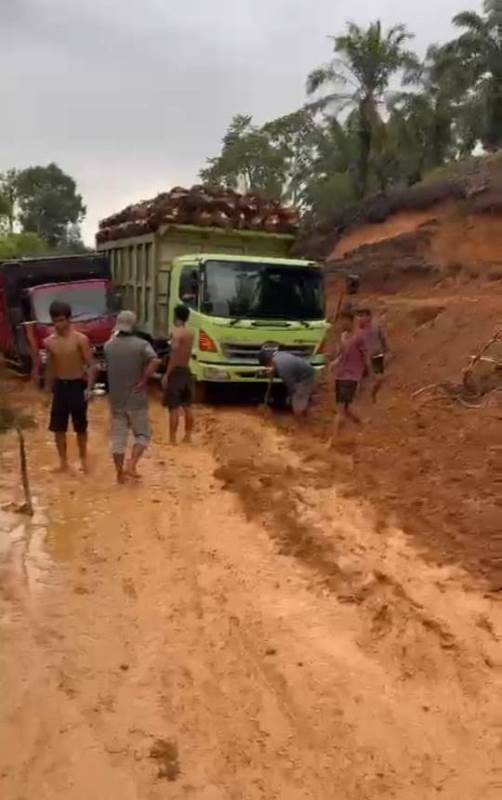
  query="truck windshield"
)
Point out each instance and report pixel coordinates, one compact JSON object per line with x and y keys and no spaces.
{"x":239,"y":289}
{"x":88,"y":300}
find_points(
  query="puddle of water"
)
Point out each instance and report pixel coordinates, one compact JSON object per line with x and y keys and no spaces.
{"x":8,"y":521}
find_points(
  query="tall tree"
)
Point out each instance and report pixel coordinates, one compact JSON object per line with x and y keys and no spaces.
{"x":333,"y":177}
{"x":8,"y":197}
{"x":247,"y":161}
{"x":479,"y":53}
{"x":425,"y":121}
{"x":294,"y":138}
{"x":48,"y":202}
{"x":358,"y":77}
{"x":275,"y":159}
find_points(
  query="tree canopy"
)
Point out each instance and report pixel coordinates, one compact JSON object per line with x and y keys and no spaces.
{"x":375,"y":116}
{"x":40,"y":208}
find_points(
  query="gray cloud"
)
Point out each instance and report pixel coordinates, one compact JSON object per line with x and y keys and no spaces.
{"x":131,"y":96}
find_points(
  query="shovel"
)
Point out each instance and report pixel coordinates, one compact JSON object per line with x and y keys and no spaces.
{"x":265,"y":406}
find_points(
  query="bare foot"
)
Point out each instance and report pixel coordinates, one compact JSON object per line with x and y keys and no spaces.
{"x":132,"y":472}
{"x":61,"y":469}
{"x":187,"y":438}
{"x":84,"y":467}
{"x":121,"y":478}
{"x":172,"y":442}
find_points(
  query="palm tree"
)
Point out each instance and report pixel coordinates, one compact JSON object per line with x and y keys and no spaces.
{"x":426,"y":121}
{"x":479,"y":53}
{"x":359,"y":76}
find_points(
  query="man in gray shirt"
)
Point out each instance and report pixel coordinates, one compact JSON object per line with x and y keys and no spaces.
{"x":295,"y":372}
{"x":131,"y":361}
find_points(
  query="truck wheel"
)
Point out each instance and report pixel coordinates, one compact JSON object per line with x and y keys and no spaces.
{"x":201,"y":392}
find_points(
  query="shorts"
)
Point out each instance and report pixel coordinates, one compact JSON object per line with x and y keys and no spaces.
{"x":378,"y":364}
{"x":134,"y":420}
{"x":68,"y":400}
{"x":179,"y":392}
{"x":345,"y":392}
{"x":300,"y":396}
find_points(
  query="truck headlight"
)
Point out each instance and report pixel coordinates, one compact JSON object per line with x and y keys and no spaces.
{"x":216,"y":374}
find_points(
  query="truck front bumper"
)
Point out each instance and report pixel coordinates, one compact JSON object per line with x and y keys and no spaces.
{"x":231,"y":373}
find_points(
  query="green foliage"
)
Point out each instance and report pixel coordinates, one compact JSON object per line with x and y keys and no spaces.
{"x":478,"y":51}
{"x":17,"y":245}
{"x":8,"y":195}
{"x":48,"y":202}
{"x":275,"y":160}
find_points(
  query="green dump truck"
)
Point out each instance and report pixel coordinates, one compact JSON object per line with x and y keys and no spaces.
{"x":240,"y":286}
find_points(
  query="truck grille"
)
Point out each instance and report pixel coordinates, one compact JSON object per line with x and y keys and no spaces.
{"x":248,"y":353}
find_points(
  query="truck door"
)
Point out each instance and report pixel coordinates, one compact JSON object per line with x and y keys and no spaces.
{"x":189,"y":286}
{"x":6,"y":339}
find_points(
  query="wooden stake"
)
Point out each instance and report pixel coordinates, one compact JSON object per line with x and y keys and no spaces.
{"x":28,"y":504}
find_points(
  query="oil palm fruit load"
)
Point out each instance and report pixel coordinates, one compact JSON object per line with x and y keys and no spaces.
{"x":203,"y":207}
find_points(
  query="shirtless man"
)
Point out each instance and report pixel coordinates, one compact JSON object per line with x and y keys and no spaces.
{"x":178,"y":382}
{"x":376,"y":346}
{"x":70,"y":377}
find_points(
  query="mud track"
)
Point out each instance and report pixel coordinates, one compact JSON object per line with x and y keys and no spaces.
{"x":233,"y":629}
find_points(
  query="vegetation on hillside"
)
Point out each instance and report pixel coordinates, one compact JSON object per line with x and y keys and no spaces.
{"x":376,"y":117}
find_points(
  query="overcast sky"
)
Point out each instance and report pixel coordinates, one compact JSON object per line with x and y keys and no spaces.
{"x":131,"y":96}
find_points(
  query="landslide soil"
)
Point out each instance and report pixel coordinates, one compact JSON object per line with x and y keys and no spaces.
{"x":245,"y":623}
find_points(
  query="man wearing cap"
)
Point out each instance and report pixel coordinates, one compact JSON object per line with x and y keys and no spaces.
{"x":131,"y":361}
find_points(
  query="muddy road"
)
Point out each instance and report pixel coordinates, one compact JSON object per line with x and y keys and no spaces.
{"x":233,"y":629}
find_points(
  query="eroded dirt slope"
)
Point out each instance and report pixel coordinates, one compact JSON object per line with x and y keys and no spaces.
{"x":428,"y":463}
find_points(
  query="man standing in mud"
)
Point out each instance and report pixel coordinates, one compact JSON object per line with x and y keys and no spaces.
{"x":178,"y":381}
{"x":70,"y":376}
{"x":349,"y":366}
{"x":131,"y":362}
{"x":375,"y":343}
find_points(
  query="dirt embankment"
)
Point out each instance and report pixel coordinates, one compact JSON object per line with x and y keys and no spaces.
{"x":443,"y":242}
{"x":437,"y":286}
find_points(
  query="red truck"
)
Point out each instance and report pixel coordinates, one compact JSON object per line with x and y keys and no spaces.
{"x":27,"y":288}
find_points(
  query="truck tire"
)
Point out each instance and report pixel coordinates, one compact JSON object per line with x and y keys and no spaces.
{"x":201,"y":392}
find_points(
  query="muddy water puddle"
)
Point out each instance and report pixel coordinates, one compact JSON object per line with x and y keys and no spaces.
{"x":34,"y":549}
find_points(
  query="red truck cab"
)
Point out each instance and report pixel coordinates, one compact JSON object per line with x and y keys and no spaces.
{"x":27,"y":289}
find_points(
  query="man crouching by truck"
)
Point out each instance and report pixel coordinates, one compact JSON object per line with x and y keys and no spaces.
{"x":295,"y":372}
{"x":177,"y":383}
{"x":70,"y":376}
{"x":131,"y":362}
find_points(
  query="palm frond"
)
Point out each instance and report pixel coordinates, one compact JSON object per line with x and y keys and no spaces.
{"x":319,"y":78}
{"x":470,"y":19}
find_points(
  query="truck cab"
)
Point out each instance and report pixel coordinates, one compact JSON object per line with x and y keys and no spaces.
{"x":27,"y":289}
{"x":240,"y":302}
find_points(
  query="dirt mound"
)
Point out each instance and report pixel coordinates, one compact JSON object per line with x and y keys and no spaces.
{"x":199,"y":206}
